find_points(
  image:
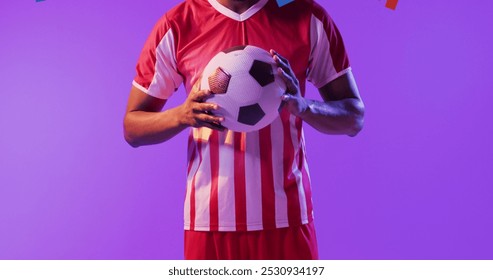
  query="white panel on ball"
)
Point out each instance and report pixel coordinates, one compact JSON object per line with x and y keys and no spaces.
{"x":246,"y":87}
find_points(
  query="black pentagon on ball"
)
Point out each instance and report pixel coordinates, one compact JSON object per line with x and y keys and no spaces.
{"x":262,"y":72}
{"x":250,"y":114}
{"x":219,"y":81}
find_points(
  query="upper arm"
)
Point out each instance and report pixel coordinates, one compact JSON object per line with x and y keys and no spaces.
{"x":329,"y":68}
{"x":345,"y":90}
{"x":140,"y":101}
{"x":340,"y":88}
{"x":157,"y":73}
{"x":343,"y":93}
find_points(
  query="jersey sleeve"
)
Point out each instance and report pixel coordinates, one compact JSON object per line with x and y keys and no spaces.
{"x":328,"y":58}
{"x":157,"y":73}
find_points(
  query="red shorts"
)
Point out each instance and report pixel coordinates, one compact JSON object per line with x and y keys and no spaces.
{"x":291,"y":243}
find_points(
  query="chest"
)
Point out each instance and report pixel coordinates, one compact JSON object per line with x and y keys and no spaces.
{"x":200,"y":41}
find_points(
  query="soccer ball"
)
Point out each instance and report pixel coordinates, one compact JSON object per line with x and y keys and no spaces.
{"x":246,"y":87}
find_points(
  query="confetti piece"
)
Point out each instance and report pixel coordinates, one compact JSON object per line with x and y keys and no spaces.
{"x":391,"y":4}
{"x":281,"y":3}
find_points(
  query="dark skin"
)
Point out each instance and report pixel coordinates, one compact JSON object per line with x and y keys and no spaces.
{"x":238,"y":6}
{"x":341,"y":110}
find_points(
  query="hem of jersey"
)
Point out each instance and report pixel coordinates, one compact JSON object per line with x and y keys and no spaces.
{"x":239,"y":17}
{"x":333,"y":77}
{"x":280,"y":224}
{"x":137,"y":85}
{"x":143,"y":89}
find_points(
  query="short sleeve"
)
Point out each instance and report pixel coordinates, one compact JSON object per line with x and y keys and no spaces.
{"x":328,"y":58}
{"x":157,"y":73}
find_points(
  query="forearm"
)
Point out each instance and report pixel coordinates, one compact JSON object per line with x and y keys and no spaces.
{"x":146,"y":128}
{"x":335,"y":117}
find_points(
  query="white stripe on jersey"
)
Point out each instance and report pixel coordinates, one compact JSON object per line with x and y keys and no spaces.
{"x":325,"y":72}
{"x":226,"y":190}
{"x":281,"y":199}
{"x":253,"y":182}
{"x":193,"y":170}
{"x":166,"y":78}
{"x":306,"y":168}
{"x":297,"y":172}
{"x":158,"y":71}
{"x":203,"y":182}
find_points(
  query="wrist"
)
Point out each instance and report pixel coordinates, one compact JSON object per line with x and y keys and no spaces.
{"x":178,"y":116}
{"x":304,"y":108}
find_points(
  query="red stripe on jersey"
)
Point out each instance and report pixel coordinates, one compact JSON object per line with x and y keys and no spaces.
{"x":240,"y":182}
{"x":195,"y":43}
{"x":192,"y":191}
{"x":214,"y":200}
{"x":267,"y":179}
{"x":290,"y":185}
{"x":191,"y":153}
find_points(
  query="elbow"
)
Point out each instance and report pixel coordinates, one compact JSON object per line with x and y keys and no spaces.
{"x":358,"y":117}
{"x":356,"y":127}
{"x":132,"y":141}
{"x":129,"y":137}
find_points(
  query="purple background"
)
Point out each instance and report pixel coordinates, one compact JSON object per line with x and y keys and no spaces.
{"x":416,"y":183}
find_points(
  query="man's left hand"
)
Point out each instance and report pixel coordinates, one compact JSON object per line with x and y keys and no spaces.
{"x":296,"y":104}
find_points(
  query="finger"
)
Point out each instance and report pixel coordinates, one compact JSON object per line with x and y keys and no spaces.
{"x":196,"y":86}
{"x":279,"y":57}
{"x":288,"y":79}
{"x":218,"y":127}
{"x":275,"y":53}
{"x":200,"y":95}
{"x":203,"y":117}
{"x":283,"y":64}
{"x":205,"y":107}
{"x":211,"y":125}
{"x":282,"y":59}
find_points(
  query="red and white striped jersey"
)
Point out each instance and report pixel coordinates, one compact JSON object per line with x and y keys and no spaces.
{"x":243,"y":181}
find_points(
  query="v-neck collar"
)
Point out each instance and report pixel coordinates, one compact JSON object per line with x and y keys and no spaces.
{"x":233,"y":15}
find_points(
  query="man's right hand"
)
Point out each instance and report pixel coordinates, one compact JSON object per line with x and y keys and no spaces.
{"x":195,"y":111}
{"x":145,"y":124}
